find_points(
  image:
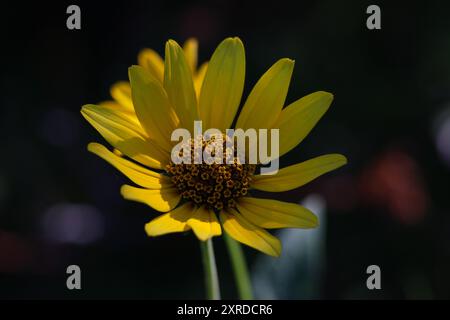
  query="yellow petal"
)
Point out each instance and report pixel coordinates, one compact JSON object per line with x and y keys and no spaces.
{"x":298,"y":174}
{"x":267,"y":213}
{"x":267,"y":98}
{"x":125,"y":135}
{"x":109,"y":114}
{"x":190,"y":49}
{"x":152,"y":62}
{"x":298,"y":119}
{"x":152,"y":106}
{"x":138,"y":174}
{"x":223,"y":84}
{"x":161,"y":200}
{"x":173,"y":221}
{"x":204,"y":223}
{"x":242,"y":230}
{"x":199,"y":77}
{"x":179,"y":85}
{"x":116,"y":107}
{"x":121,"y":92}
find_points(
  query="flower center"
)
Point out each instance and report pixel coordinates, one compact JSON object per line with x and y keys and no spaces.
{"x":217,"y":186}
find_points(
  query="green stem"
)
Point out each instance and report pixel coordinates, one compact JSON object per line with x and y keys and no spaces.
{"x":240,"y":270}
{"x":209,"y":264}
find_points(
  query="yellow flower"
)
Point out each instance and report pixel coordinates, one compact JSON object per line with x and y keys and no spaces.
{"x":170,"y":94}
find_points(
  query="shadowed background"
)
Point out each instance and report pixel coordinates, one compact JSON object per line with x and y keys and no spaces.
{"x":60,"y":205}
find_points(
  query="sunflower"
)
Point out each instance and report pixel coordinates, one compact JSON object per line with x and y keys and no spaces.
{"x":209,"y":199}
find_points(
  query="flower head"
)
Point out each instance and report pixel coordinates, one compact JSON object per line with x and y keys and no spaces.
{"x":165,"y":95}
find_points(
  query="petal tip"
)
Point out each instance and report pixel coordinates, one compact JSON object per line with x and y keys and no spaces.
{"x":191,"y":40}
{"x":201,"y":236}
{"x":237,"y":40}
{"x":232,"y":41}
{"x":276,"y":250}
{"x":148,"y":229}
{"x":316,"y":222}
{"x":92,"y":146}
{"x":134,"y":68}
{"x":287,"y":61}
{"x":123,"y":191}
{"x":84,"y":107}
{"x":86,"y":110}
{"x":342,"y":159}
{"x":172,"y":43}
{"x":326,"y":94}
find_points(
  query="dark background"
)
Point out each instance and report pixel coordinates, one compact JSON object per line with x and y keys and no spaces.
{"x":60,"y":205}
